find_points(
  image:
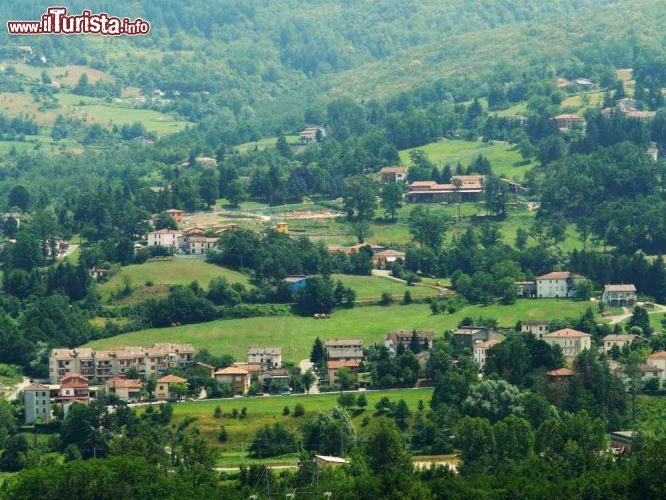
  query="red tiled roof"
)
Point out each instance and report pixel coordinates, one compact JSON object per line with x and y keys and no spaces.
{"x":619,"y":288}
{"x":231,"y":370}
{"x":657,"y":355}
{"x":488,"y":343}
{"x":168,"y":379}
{"x":334,"y":365}
{"x":394,"y":170}
{"x":123,"y":383}
{"x":567,"y":332}
{"x":560,"y":275}
{"x":561,"y":372}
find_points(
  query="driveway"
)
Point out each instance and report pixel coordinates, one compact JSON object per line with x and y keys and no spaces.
{"x":306,"y":365}
{"x":13,"y":394}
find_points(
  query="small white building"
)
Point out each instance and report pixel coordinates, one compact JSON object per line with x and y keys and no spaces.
{"x":269,"y":357}
{"x":167,"y":238}
{"x":572,"y":342}
{"x":536,"y":328}
{"x":344,"y":349}
{"x":558,"y":284}
{"x":200,"y":245}
{"x":619,"y":340}
{"x":309,"y":134}
{"x":619,"y":295}
{"x":658,"y":360}
{"x":37,"y":402}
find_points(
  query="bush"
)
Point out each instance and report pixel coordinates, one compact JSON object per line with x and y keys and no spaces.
{"x":299,"y":410}
{"x":386,"y":300}
{"x":285,"y":411}
{"x":222,"y":435}
{"x":243,"y":412}
{"x":217,"y":413}
{"x":407,"y":298}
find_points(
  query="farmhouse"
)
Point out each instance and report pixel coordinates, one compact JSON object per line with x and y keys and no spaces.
{"x":344,"y":349}
{"x":646,"y":371}
{"x":385,"y":258}
{"x":572,"y":342}
{"x":463,"y":187}
{"x":200,"y":245}
{"x":275,"y":380}
{"x":394,"y":174}
{"x":560,"y":375}
{"x":658,"y":360}
{"x":557,"y":284}
{"x":236,"y":377}
{"x":619,"y":295}
{"x":536,"y":328}
{"x":37,"y":403}
{"x":268,"y":357}
{"x":98,"y":274}
{"x":481,"y":351}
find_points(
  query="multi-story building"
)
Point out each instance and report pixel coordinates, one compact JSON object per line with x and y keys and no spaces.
{"x":658,"y":360}
{"x":311,"y":134}
{"x":572,"y":342}
{"x":73,"y":389}
{"x":469,"y":336}
{"x":620,"y":341}
{"x":481,"y":351}
{"x":126,"y":389}
{"x":619,"y":295}
{"x":177,"y":215}
{"x":394,"y":174}
{"x":37,"y":403}
{"x":237,"y":378}
{"x":200,"y":245}
{"x":344,"y":349}
{"x":167,"y":238}
{"x":558,"y":284}
{"x":268,"y":357}
{"x":461,"y":187}
{"x":98,"y":366}
{"x":407,"y":339}
{"x":536,"y":328}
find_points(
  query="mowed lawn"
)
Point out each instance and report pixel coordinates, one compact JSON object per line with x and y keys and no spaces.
{"x":169,"y":272}
{"x":296,"y":334}
{"x":504,"y":159}
{"x":372,"y":287}
{"x":268,"y":410}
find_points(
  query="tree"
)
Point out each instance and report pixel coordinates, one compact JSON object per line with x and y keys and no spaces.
{"x":345,"y":378}
{"x":19,"y":197}
{"x":318,"y":353}
{"x":521,"y":238}
{"x":493,"y":399}
{"x":457,"y":186}
{"x":384,"y":447}
{"x":474,"y":437}
{"x":299,"y":410}
{"x":407,"y":298}
{"x":514,"y":437}
{"x":331,"y":432}
{"x":495,"y":195}
{"x":179,"y":389}
{"x":72,"y":453}
{"x":308,"y":379}
{"x":427,"y":227}
{"x":346,"y":400}
{"x":361,"y":197}
{"x":317,"y":296}
{"x":361,"y":401}
{"x":391,"y":197}
{"x":271,"y":441}
{"x":641,"y":319}
{"x":283,"y":147}
{"x":583,"y":290}
{"x":15,"y":448}
{"x":236,"y":193}
{"x":151,"y":385}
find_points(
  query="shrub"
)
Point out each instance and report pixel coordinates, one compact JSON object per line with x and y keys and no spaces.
{"x":386,"y":300}
{"x":222,"y":435}
{"x":299,"y":410}
{"x":285,"y":411}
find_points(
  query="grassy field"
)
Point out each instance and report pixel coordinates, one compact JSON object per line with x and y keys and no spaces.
{"x":167,"y":272}
{"x":296,"y":334}
{"x":372,"y":287}
{"x":268,"y":410}
{"x":504,"y":159}
{"x":268,"y":142}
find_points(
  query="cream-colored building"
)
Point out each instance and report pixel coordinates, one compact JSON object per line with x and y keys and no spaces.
{"x":167,"y":238}
{"x":572,"y":342}
{"x":658,"y":360}
{"x":618,"y":340}
{"x":237,"y":378}
{"x":37,"y":403}
{"x":558,"y":284}
{"x":100,"y":366}
{"x":481,"y":351}
{"x":200,"y":245}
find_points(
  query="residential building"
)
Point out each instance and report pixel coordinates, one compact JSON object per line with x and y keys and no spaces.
{"x":407,"y":338}
{"x":622,"y":441}
{"x":572,"y":342}
{"x":73,"y":389}
{"x":619,"y":295}
{"x":344,"y":349}
{"x":167,"y":238}
{"x":296,"y":282}
{"x":201,"y":245}
{"x":37,"y":403}
{"x":128,"y":390}
{"x":164,"y":390}
{"x":100,"y":366}
{"x":385,"y":258}
{"x":253,"y":369}
{"x":309,"y":134}
{"x":195,"y":231}
{"x":567,"y":122}
{"x":275,"y":380}
{"x":177,"y":215}
{"x":619,"y":340}
{"x":536,"y":328}
{"x":282,"y":227}
{"x":481,"y":351}
{"x":394,"y":174}
{"x":237,"y":378}
{"x":205,"y":366}
{"x":558,"y":284}
{"x":461,"y":187}
{"x":268,"y":357}
{"x":560,"y":375}
{"x":468,"y":336}
{"x":658,"y":360}
{"x":334,"y":366}
{"x":647,"y":371}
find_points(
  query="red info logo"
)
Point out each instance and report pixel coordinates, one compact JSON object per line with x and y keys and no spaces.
{"x":56,"y":22}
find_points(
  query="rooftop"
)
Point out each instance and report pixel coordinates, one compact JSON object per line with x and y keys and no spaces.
{"x":657,"y":355}
{"x":168,"y":379}
{"x":343,"y":342}
{"x":566,"y":333}
{"x":231,"y":370}
{"x":394,"y":170}
{"x":619,"y":288}
{"x":488,"y":343}
{"x":274,"y":351}
{"x":335,"y":364}
{"x":561,"y":372}
{"x":561,"y":275}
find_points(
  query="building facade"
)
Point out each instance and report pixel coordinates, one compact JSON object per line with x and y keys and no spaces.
{"x":37,"y":402}
{"x":237,"y":378}
{"x":268,"y":357}
{"x":572,"y":342}
{"x":100,"y":366}
{"x":619,"y":295}
{"x":167,"y":238}
{"x":536,"y":328}
{"x":481,"y":351}
{"x":394,"y":174}
{"x":558,"y":284}
{"x":344,"y":349}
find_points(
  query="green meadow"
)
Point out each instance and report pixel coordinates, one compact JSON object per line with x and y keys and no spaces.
{"x":296,"y":334}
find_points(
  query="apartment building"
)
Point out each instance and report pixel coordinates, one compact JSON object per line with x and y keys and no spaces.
{"x":98,"y":366}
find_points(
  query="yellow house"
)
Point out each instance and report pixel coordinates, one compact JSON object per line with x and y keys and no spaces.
{"x":163,"y":391}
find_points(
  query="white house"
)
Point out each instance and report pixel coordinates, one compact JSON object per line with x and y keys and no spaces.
{"x":619,"y":295}
{"x":618,"y":340}
{"x":557,"y":284}
{"x":309,"y":134}
{"x":167,"y":238}
{"x":344,"y":349}
{"x":200,"y":245}
{"x":658,"y":360}
{"x":37,"y":401}
{"x":572,"y":342}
